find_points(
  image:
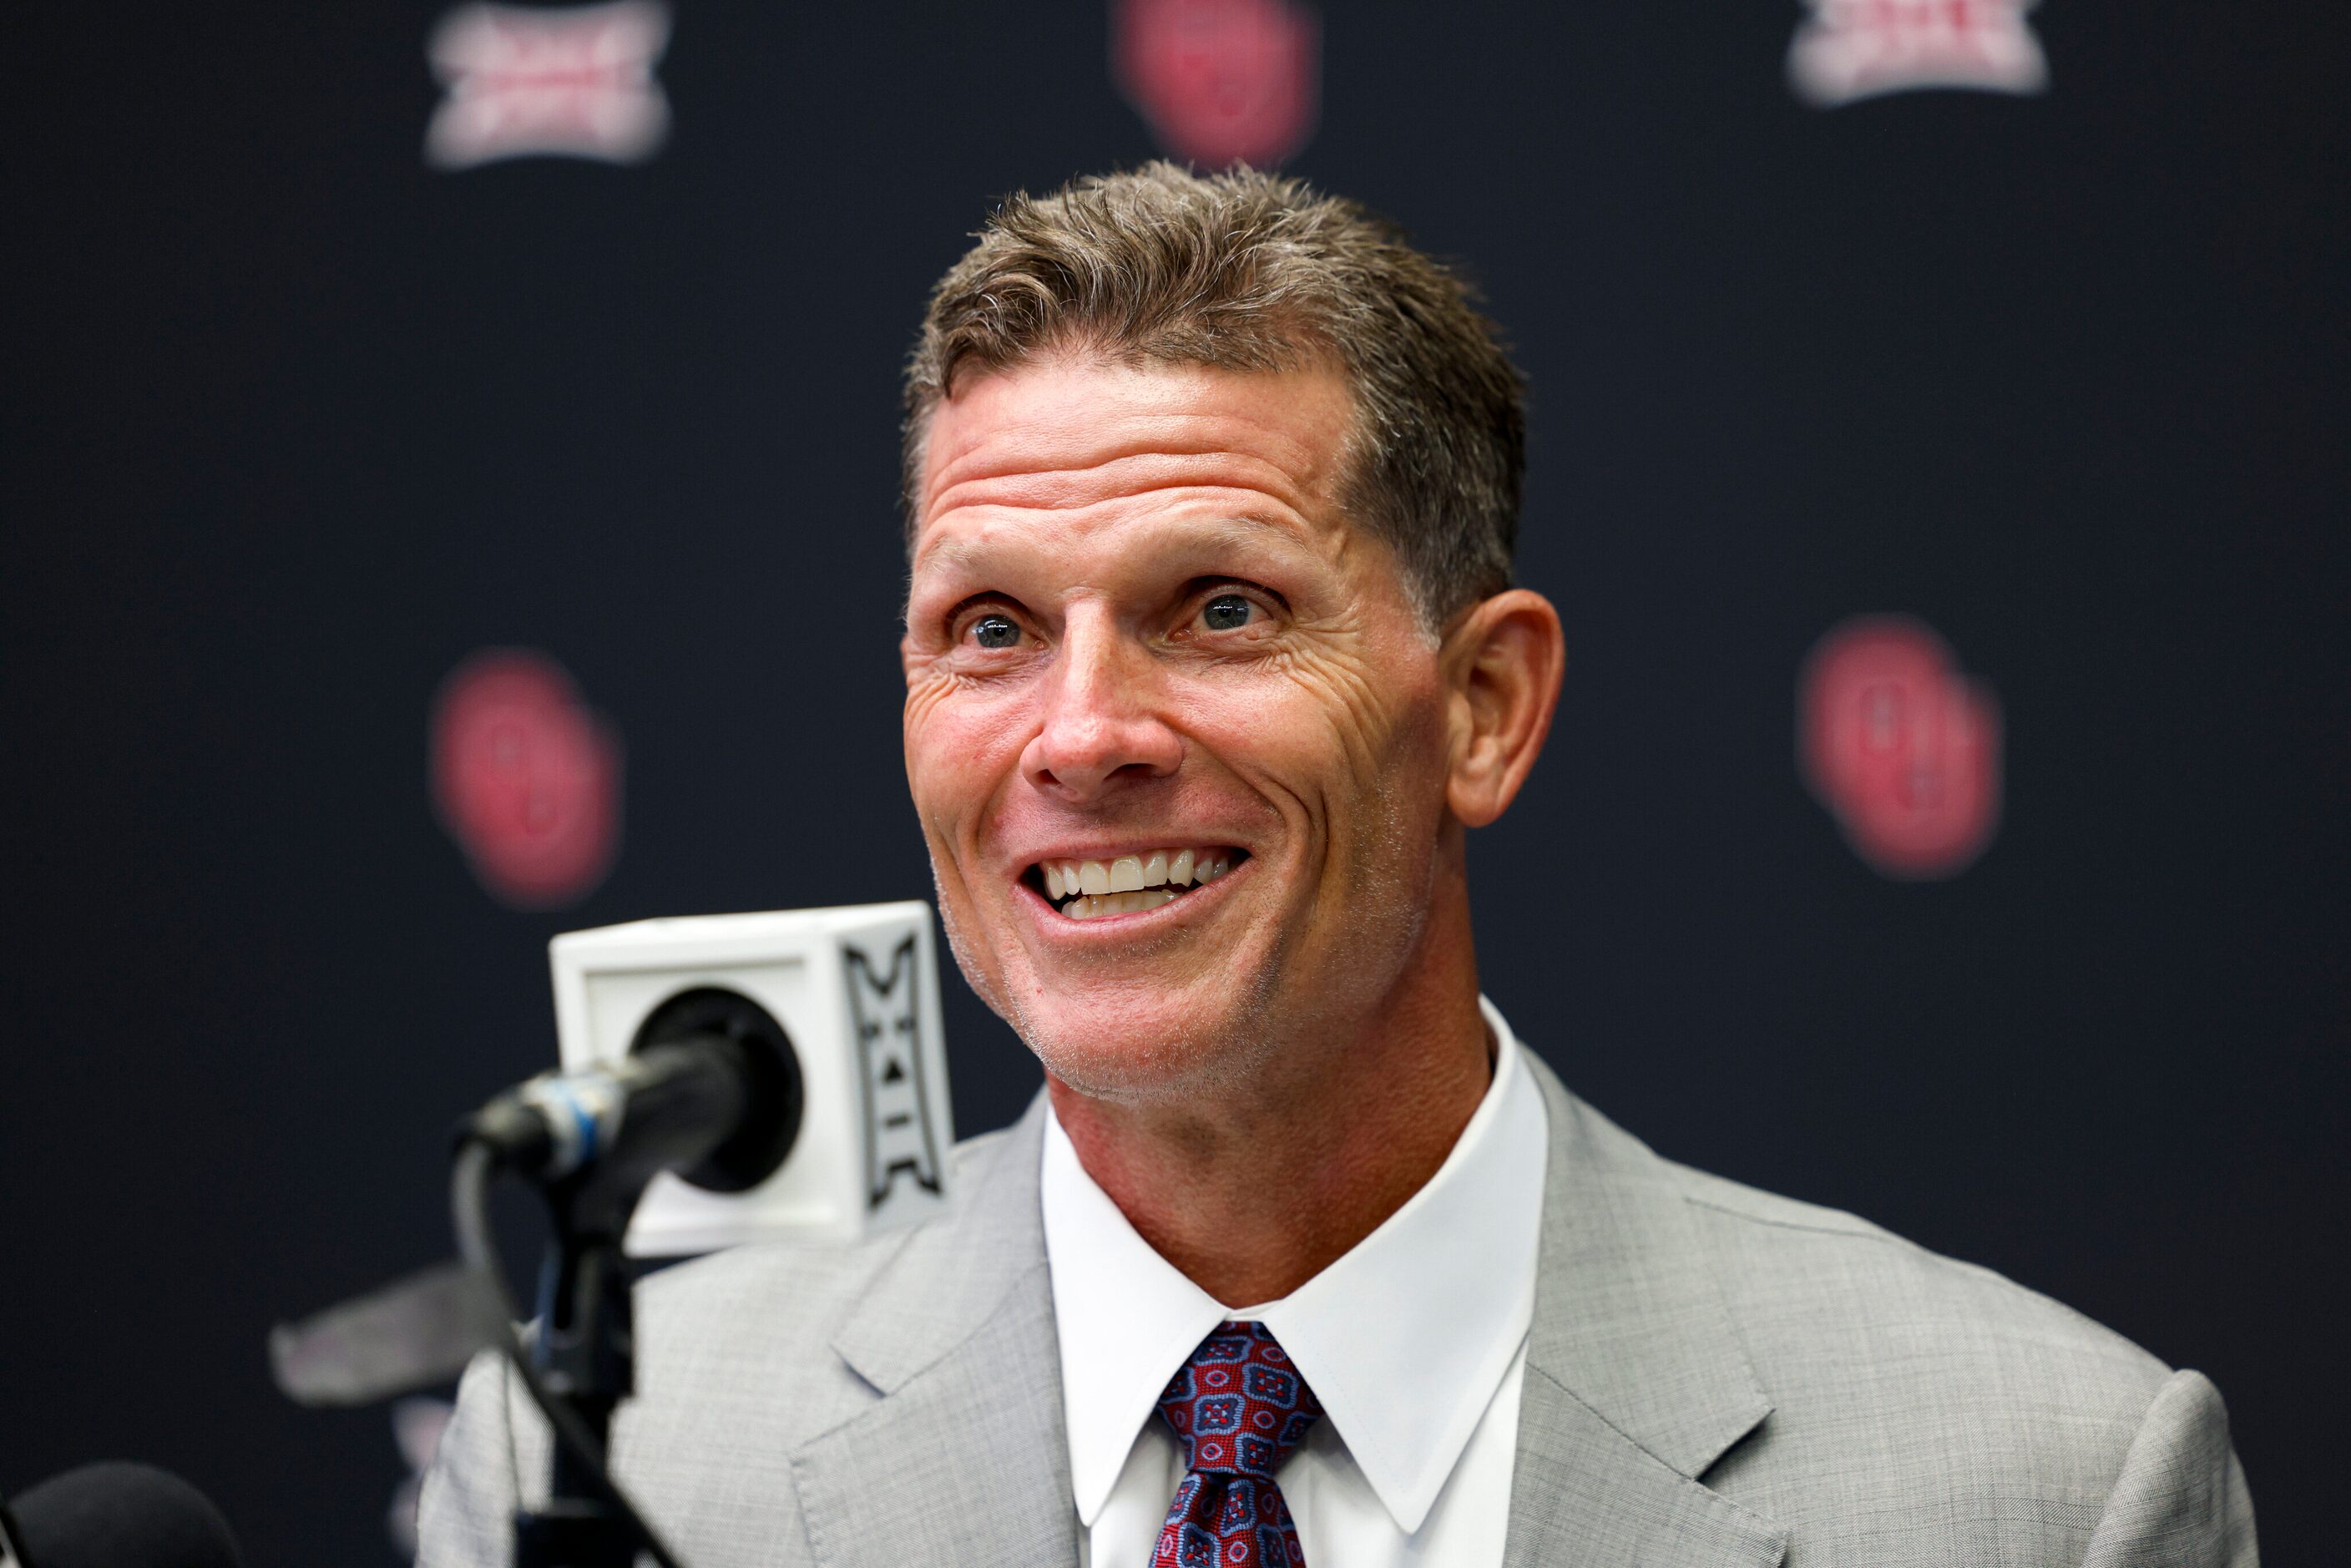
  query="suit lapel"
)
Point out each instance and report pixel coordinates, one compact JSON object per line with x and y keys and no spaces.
{"x":1634,"y":1384}
{"x":1584,"y":1493}
{"x":965,"y":1458}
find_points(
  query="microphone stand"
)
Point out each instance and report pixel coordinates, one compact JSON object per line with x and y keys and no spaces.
{"x":585,"y":1354}
{"x":716,"y":1093}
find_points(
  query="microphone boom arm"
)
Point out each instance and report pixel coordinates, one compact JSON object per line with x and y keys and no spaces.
{"x":579,"y":1365}
{"x":711,"y":1089}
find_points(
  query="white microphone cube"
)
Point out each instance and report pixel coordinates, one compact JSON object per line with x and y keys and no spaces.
{"x":856,"y":991}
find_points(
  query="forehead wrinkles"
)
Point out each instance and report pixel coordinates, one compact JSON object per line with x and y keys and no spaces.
{"x":972,"y":512}
{"x":968,"y":511}
{"x":1037,"y":471}
{"x":1071,"y":417}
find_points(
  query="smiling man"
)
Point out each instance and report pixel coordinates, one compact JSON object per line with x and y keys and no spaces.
{"x":1212,"y":663}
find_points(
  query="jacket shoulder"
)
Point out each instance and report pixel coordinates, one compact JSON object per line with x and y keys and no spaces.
{"x":1923,"y":1408}
{"x":781,"y":1301}
{"x":1791,"y":1268}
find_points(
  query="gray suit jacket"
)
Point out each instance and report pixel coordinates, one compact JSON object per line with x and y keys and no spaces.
{"x":1715,"y":1376}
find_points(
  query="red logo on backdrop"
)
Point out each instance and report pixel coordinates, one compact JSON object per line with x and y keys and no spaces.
{"x":1221,"y":81}
{"x":1859,"y":48}
{"x":527,"y":779}
{"x":1900,"y":746}
{"x":575,"y":81}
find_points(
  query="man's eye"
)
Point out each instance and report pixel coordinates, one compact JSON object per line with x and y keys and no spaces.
{"x":1228,"y":613}
{"x":996,"y":631}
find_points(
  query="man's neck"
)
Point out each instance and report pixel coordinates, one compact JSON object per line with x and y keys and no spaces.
{"x":1254,"y":1190}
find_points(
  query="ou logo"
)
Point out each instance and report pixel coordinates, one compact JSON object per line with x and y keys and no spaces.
{"x":527,"y":779}
{"x":1901,"y":748}
{"x":1221,"y":81}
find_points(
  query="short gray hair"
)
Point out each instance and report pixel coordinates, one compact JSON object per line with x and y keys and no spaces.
{"x":1252,"y":271}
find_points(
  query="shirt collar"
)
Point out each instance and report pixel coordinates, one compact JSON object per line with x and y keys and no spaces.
{"x":1404,"y":1339}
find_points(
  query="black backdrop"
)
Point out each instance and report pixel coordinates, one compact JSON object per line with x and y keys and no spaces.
{"x":294,"y":422}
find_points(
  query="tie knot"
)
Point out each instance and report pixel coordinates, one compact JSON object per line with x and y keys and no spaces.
{"x":1238,"y":1405}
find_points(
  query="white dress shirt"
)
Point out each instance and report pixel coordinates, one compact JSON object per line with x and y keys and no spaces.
{"x":1414,"y":1342}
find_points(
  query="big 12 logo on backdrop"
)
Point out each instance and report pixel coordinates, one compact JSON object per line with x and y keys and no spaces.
{"x":573,"y":81}
{"x":526,"y":778}
{"x":1903,"y":749}
{"x":1852,"y":50}
{"x":1220,"y":81}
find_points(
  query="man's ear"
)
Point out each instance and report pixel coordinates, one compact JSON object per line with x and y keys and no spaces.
{"x":1503,"y":660}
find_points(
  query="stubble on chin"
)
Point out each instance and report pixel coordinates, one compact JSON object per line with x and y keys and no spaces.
{"x":1205,"y":1056}
{"x":1190,"y":1063}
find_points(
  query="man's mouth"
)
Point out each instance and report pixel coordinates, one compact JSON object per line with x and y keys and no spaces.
{"x":1129,"y":884}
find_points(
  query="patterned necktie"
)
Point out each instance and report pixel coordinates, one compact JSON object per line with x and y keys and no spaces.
{"x":1238,"y":1408}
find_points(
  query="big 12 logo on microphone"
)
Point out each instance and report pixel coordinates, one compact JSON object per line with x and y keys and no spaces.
{"x":896,"y":1098}
{"x":1903,"y":748}
{"x":1220,"y":81}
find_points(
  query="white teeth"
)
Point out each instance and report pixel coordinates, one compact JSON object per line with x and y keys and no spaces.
{"x":1098,"y":888}
{"x":1133,"y":903}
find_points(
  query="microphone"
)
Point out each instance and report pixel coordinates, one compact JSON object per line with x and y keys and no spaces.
{"x":710,"y":1089}
{"x":690,"y":1048}
{"x":115,"y":1515}
{"x":842,"y":1002}
{"x":723,"y":1079}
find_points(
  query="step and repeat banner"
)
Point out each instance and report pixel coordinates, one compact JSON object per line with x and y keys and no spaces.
{"x":450,"y":485}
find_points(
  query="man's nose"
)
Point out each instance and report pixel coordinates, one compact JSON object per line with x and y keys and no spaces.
{"x":1104,"y":722}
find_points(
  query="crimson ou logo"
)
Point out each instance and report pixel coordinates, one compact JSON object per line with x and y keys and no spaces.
{"x":1220,"y":81}
{"x":1901,"y":748}
{"x":526,"y":778}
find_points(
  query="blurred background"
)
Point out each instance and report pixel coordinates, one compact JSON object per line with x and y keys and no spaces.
{"x":447,"y":497}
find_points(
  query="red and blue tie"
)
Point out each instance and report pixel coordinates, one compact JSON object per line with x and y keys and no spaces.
{"x":1238,"y":1408}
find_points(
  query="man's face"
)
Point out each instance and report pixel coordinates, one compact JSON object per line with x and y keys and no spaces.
{"x":1139,"y":632}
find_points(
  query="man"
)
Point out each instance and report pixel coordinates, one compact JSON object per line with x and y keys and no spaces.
{"x":1212,"y":662}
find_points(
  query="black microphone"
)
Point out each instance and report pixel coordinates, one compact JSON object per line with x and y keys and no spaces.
{"x":710,"y":1089}
{"x":115,"y":1516}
